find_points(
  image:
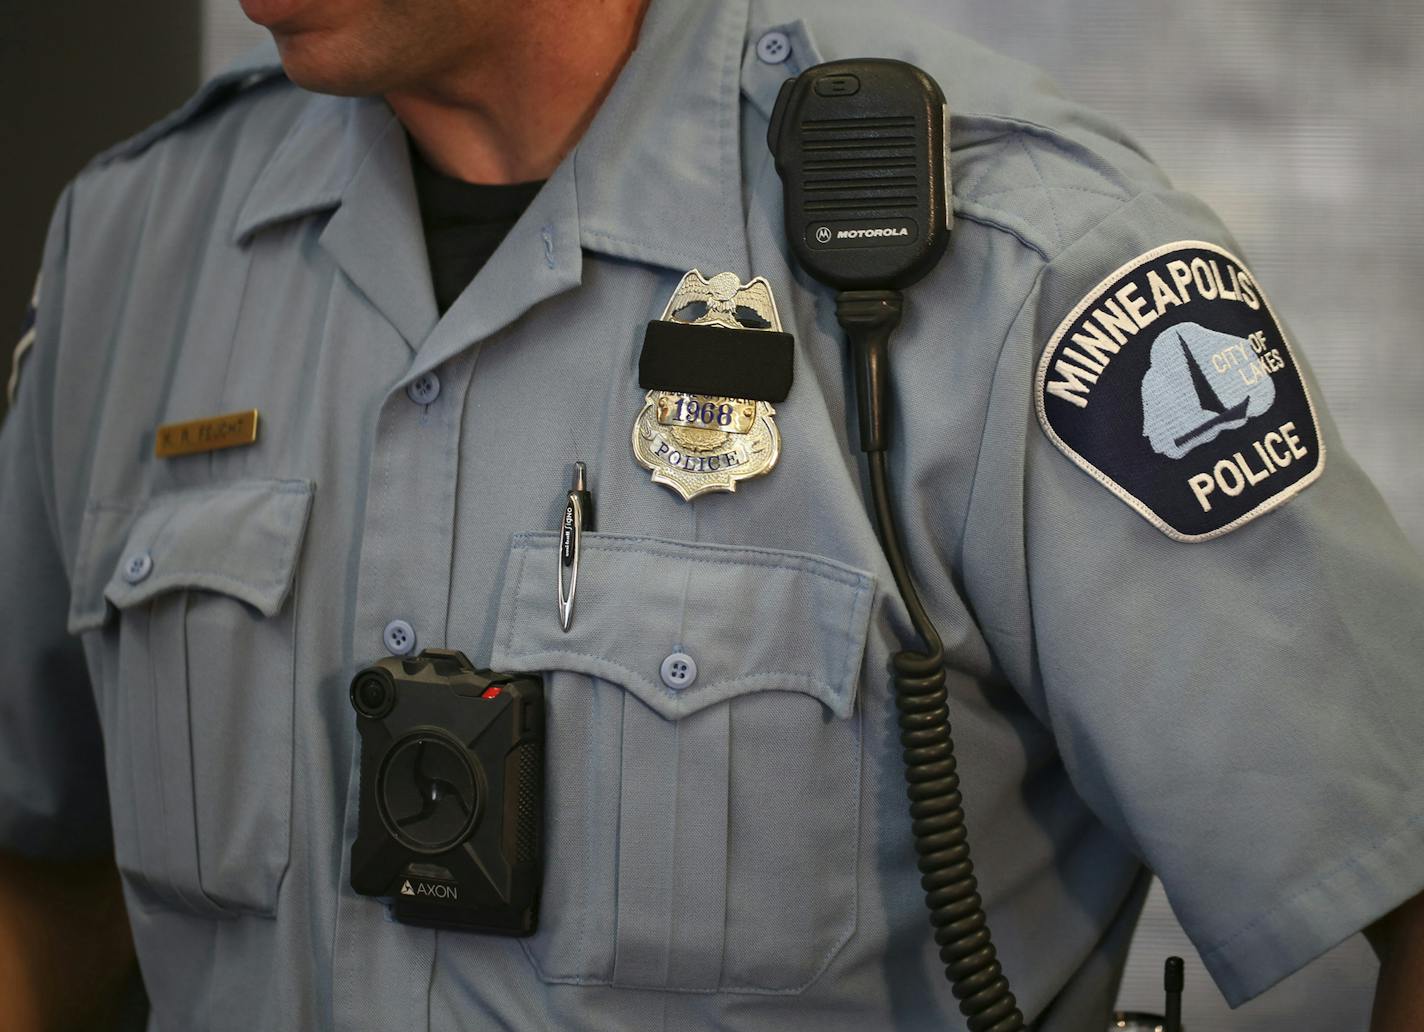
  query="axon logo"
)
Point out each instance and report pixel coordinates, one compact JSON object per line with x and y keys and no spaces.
{"x":435,"y":890}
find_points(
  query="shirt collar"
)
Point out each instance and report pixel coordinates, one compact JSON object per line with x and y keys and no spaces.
{"x":657,"y":175}
{"x":314,"y":164}
{"x":659,"y":171}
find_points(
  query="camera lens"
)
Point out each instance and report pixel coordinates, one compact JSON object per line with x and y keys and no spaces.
{"x":372,"y":695}
{"x":428,"y":793}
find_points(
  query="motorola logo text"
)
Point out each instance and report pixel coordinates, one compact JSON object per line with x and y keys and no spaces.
{"x":860,"y":234}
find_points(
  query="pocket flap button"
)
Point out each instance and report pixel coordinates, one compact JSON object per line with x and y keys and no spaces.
{"x":137,"y":567}
{"x":679,"y":670}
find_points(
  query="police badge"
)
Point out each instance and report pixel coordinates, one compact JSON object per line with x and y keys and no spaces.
{"x":714,"y":363}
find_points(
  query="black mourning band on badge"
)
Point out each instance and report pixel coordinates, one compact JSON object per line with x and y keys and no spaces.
{"x":716,"y":361}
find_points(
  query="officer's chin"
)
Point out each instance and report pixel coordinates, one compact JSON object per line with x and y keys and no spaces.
{"x":321,"y":64}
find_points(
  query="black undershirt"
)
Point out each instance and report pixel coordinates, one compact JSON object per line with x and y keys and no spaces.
{"x":463,"y":223}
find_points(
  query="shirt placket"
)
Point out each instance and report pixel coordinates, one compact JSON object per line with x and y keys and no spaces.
{"x":381,"y":968}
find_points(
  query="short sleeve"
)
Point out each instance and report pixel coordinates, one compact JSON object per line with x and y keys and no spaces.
{"x":1241,"y":698}
{"x":53,"y":797}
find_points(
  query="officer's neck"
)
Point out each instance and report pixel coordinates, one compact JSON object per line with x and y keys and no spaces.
{"x":513,"y":116}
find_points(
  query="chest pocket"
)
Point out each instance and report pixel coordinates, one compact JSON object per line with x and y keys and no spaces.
{"x":192,"y":597}
{"x":701,"y":833}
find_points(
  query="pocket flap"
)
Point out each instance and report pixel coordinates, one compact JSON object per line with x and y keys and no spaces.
{"x":241,"y":539}
{"x":752,"y":619}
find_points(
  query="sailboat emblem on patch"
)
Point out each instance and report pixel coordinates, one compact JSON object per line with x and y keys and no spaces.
{"x":1200,"y":384}
{"x":1173,"y":384}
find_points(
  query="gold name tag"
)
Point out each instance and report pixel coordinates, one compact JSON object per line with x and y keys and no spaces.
{"x":205,"y":435}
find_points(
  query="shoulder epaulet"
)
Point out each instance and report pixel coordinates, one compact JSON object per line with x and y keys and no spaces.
{"x":252,"y":69}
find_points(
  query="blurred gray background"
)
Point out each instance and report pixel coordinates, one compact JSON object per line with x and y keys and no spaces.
{"x":1298,"y":120}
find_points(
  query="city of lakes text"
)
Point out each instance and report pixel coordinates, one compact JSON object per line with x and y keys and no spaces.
{"x":1129,"y":310}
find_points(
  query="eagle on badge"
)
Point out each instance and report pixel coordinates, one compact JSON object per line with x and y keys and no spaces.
{"x":729,"y":302}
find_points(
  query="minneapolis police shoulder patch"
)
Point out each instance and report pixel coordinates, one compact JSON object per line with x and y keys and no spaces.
{"x":1174,"y":386}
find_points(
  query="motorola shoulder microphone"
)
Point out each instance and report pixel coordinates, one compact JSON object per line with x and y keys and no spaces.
{"x":861,"y":149}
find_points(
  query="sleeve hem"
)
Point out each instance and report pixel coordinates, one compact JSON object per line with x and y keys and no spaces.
{"x":1329,"y":910}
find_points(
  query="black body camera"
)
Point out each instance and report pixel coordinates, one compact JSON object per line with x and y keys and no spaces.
{"x":451,"y":794}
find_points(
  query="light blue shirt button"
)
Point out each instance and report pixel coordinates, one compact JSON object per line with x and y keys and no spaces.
{"x":137,"y":567}
{"x":679,"y":670}
{"x":424,"y":389}
{"x":774,"y":47}
{"x":399,"y":637}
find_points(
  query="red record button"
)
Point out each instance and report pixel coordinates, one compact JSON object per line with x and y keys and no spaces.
{"x":492,"y":691}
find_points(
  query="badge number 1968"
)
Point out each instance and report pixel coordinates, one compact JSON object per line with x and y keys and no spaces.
{"x":695,"y":444}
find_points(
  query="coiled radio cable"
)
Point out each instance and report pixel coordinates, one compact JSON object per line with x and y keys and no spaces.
{"x":961,"y":929}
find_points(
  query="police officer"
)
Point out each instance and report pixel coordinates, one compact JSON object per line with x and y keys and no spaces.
{"x":1163,"y":651}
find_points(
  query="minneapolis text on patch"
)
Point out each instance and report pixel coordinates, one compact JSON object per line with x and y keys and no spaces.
{"x":1118,"y":318}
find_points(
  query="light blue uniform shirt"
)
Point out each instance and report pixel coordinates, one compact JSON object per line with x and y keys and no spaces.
{"x":1243,"y":715}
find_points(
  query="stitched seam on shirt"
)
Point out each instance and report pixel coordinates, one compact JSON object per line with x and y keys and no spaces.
{"x":636,"y":250}
{"x":742,"y":683}
{"x":1018,"y":130}
{"x":980,"y":198}
{"x":740,"y":557}
{"x":965,"y":191}
{"x":1354,"y":860}
{"x":988,"y":407}
{"x":761,"y":681}
{"x":1047,"y":195}
{"x":157,"y":500}
{"x":518,"y":584}
{"x":1019,"y":127}
{"x":196,"y":578}
{"x":789,"y":567}
{"x":849,"y":666}
{"x":613,"y":238}
{"x":1003,"y":228}
{"x":1019,"y":690}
